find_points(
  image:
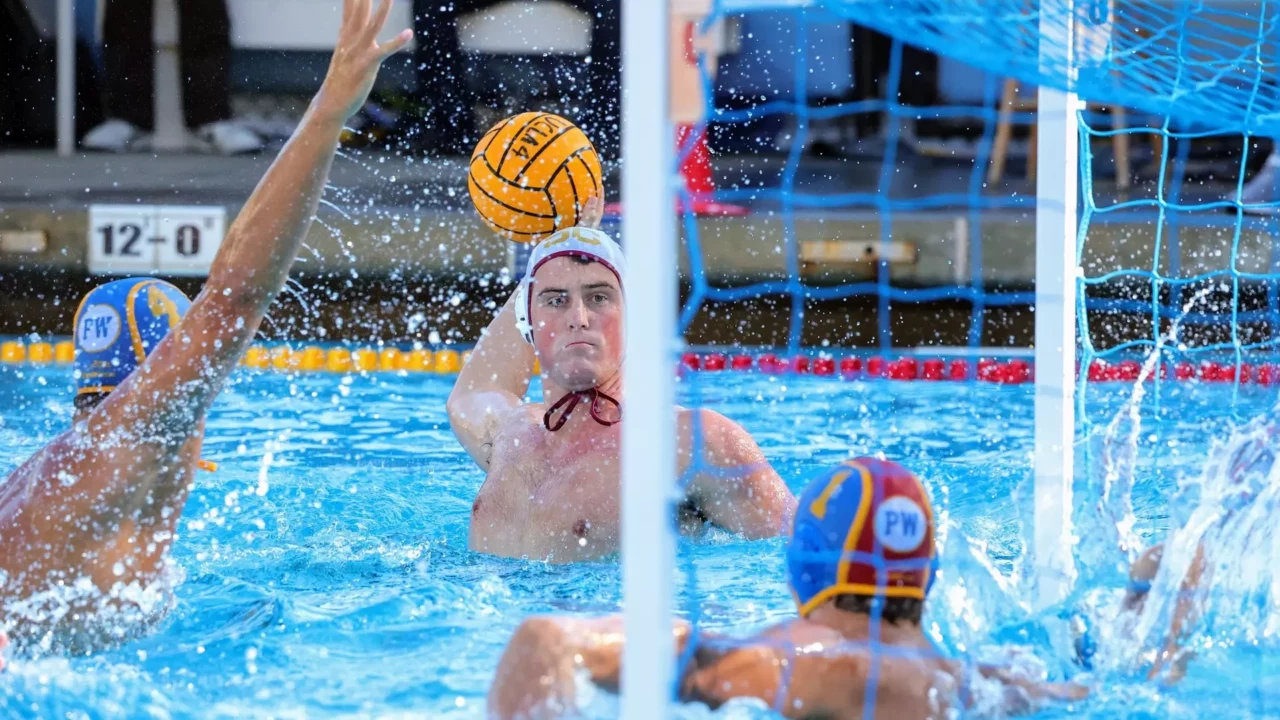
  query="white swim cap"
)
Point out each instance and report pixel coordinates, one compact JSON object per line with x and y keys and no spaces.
{"x":581,"y":241}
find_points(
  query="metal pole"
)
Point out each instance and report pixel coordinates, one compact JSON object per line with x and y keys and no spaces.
{"x":1056,"y":192}
{"x":648,"y":433}
{"x":66,"y":98}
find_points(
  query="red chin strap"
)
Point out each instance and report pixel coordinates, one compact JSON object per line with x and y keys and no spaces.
{"x":571,"y":400}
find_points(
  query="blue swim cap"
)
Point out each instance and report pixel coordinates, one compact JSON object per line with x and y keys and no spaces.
{"x":864,"y":527}
{"x":117,"y":324}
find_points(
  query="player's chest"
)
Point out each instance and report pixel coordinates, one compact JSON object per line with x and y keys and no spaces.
{"x":580,"y":477}
{"x":576,"y":500}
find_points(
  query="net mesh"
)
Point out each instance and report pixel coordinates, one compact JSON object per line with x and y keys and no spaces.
{"x":1210,"y":64}
{"x":1181,"y":103}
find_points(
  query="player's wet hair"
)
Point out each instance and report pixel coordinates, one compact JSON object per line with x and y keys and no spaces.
{"x":895,"y":611}
{"x":89,"y":401}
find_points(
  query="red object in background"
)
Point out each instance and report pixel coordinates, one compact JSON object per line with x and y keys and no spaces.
{"x":1246,"y":373}
{"x":769,"y":363}
{"x":959,"y":370}
{"x":691,"y":361}
{"x":850,"y":366}
{"x":988,"y":370}
{"x":697,"y":174}
{"x":1128,"y":370}
{"x":713,"y":362}
{"x":1097,"y":371}
{"x":824,"y":366}
{"x":875,"y":366}
{"x":902,"y":369}
{"x":799,"y":364}
{"x":1215,"y":372}
{"x":1184,"y":371}
{"x":1017,"y":372}
{"x":932,"y":369}
{"x":1265,"y":375}
{"x":998,"y":373}
{"x":696,"y":171}
{"x":741,"y":362}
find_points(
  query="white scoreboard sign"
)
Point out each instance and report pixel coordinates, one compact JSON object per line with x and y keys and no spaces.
{"x":159,"y":239}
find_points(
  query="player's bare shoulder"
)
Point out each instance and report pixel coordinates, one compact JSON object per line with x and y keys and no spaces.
{"x":519,"y":437}
{"x":717,"y":432}
{"x":60,"y":462}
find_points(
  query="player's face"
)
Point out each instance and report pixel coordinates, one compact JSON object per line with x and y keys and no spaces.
{"x":577,"y":317}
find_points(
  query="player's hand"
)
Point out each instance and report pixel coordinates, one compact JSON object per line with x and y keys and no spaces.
{"x":4,"y":641}
{"x":356,"y":58}
{"x":1064,"y":691}
{"x":592,"y":213}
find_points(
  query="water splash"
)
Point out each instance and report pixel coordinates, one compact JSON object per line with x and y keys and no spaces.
{"x":1111,"y":541}
{"x":1220,"y":563}
{"x":1225,"y":534}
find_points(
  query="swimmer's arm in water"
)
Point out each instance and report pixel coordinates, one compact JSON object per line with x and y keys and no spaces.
{"x":179,"y":380}
{"x":491,"y":385}
{"x":1023,"y":696}
{"x":1171,"y":662}
{"x":734,"y":485}
{"x":535,"y":677}
{"x":1141,"y":574}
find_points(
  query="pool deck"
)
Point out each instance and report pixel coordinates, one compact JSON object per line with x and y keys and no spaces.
{"x":387,"y":215}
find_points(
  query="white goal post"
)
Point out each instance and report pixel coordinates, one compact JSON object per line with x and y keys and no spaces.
{"x":648,"y":435}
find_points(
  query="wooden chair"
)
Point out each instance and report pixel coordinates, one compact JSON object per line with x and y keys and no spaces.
{"x":1011,"y":101}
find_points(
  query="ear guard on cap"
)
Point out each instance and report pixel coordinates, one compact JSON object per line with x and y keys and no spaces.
{"x":581,"y":241}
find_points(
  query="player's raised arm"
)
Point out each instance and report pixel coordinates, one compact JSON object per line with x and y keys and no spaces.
{"x":491,"y":384}
{"x":182,"y":376}
{"x":495,"y":379}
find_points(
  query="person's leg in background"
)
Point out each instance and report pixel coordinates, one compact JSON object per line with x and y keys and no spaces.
{"x":128,"y":59}
{"x":603,"y":99}
{"x":440,"y":67}
{"x":204,"y":41}
{"x":438,"y":62}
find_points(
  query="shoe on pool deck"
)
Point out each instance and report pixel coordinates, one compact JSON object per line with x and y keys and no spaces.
{"x":112,"y":136}
{"x":1260,"y":192}
{"x":228,"y":137}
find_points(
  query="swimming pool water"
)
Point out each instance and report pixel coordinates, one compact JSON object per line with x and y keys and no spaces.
{"x":327,"y":573}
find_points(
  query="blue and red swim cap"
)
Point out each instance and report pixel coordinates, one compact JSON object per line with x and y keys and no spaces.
{"x":864,"y":527}
{"x":118,"y":324}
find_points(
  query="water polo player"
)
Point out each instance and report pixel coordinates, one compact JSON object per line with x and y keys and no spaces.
{"x":87,"y":521}
{"x":553,"y":484}
{"x":859,"y":564}
{"x":1229,"y":514}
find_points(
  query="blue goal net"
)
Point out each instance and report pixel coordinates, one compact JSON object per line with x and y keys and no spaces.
{"x":890,"y":231}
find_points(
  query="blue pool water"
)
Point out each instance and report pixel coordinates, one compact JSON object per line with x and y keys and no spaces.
{"x":327,"y":574}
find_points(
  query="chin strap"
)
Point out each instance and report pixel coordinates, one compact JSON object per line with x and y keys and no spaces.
{"x":571,"y":400}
